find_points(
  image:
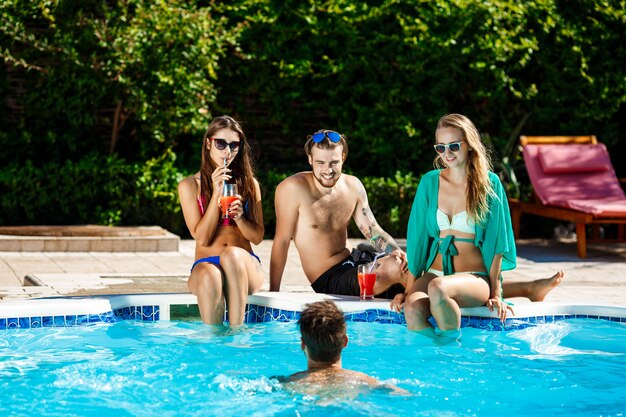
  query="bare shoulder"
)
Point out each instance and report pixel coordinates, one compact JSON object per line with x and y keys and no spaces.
{"x":355,"y":187}
{"x":352,"y":181}
{"x":372,"y":382}
{"x":331,"y":376}
{"x":360,"y":377}
{"x":293,"y":377}
{"x":341,"y":383}
{"x":299,"y":178}
{"x":296,"y":184}
{"x":188,"y":185}
{"x":257,"y":186}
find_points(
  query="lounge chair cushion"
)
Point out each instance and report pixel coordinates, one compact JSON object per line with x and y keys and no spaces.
{"x":570,"y":159}
{"x":595,"y":192}
{"x":599,"y":208}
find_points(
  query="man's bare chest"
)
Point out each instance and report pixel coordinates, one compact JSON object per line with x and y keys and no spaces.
{"x":327,"y":213}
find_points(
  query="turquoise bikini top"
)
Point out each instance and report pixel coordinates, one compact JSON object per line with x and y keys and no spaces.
{"x":460,"y":222}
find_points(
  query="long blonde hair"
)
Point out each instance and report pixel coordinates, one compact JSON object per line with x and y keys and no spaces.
{"x":478,"y":166}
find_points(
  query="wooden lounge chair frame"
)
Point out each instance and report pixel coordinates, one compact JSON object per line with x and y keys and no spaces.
{"x":581,"y":219}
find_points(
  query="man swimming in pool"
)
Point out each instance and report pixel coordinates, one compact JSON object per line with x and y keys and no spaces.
{"x":323,"y":330}
{"x":314,"y":209}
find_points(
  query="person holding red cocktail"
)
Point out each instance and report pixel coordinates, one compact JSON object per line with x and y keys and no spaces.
{"x":222,"y":208}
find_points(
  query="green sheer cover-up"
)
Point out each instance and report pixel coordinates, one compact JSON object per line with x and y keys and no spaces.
{"x":493,"y":236}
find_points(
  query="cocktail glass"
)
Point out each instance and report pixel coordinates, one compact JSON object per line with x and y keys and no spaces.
{"x":367,"y":279}
{"x":229,"y":194}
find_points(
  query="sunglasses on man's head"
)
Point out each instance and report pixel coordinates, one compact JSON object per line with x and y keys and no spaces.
{"x":454,"y":147}
{"x":333,"y":136}
{"x":221,"y":144}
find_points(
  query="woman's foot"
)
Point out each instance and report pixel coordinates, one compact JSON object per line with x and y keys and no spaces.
{"x":540,"y":288}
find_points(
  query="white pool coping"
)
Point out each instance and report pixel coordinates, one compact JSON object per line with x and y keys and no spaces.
{"x":278,"y":300}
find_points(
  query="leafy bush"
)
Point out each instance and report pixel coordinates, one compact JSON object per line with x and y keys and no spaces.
{"x":98,"y":97}
{"x":111,"y":191}
{"x":153,"y":195}
{"x":136,"y":76}
{"x":390,"y":199}
{"x":383,"y":72}
{"x":269,"y":180}
{"x":92,"y":190}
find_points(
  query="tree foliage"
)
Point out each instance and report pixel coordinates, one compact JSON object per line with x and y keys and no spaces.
{"x":384,"y":71}
{"x":142,"y":71}
{"x":106,"y":101}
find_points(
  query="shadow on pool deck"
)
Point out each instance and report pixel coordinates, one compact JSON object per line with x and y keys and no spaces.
{"x":599,"y":279}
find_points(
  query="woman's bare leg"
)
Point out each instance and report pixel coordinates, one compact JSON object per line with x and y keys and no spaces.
{"x":242,"y":276}
{"x":206,"y":283}
{"x":417,"y":311}
{"x":449,"y":293}
{"x":417,"y":307}
{"x":533,"y":290}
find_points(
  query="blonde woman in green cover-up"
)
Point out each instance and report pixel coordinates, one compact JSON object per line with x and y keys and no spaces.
{"x":459,"y":237}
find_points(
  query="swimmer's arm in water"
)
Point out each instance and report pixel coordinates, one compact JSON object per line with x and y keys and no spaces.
{"x":392,"y":389}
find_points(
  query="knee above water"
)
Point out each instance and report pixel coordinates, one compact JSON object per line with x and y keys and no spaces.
{"x":209,"y":276}
{"x":418,"y":307}
{"x":437,"y":287}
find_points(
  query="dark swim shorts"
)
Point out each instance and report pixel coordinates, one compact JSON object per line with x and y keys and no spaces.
{"x":342,"y":279}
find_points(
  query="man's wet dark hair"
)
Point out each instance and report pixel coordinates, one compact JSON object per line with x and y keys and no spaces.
{"x":323,"y":329}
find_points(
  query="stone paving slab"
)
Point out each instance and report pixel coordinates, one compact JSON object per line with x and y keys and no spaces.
{"x":87,"y":238}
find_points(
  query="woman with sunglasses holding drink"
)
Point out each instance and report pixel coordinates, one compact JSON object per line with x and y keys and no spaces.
{"x":225,"y":268}
{"x":459,"y":236}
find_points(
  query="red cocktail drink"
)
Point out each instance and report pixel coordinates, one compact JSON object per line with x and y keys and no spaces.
{"x":367,"y":279}
{"x":229,"y":194}
{"x":225,"y":202}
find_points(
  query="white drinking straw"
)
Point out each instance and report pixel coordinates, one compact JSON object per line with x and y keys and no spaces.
{"x":378,"y":255}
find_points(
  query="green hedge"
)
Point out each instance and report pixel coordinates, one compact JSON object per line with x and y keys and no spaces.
{"x":391,"y":200}
{"x":92,"y":190}
{"x":98,"y":97}
{"x":109,"y":191}
{"x":383,"y":72}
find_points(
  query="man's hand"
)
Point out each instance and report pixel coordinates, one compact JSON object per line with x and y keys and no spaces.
{"x":400,"y":255}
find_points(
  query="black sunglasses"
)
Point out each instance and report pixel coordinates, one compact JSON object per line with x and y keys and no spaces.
{"x":333,"y":136}
{"x":454,"y":147}
{"x":221,"y":144}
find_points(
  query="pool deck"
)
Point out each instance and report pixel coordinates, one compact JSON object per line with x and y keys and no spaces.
{"x":598,"y":279}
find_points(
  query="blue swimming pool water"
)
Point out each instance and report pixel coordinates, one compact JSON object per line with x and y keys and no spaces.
{"x":574,"y":367}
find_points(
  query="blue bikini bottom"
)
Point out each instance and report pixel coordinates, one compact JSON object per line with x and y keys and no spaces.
{"x":215,"y":260}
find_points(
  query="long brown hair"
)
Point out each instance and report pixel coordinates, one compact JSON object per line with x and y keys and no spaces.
{"x":241,"y":166}
{"x":478,"y":165}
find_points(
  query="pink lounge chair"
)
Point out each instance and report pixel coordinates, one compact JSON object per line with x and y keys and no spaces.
{"x":573,"y":180}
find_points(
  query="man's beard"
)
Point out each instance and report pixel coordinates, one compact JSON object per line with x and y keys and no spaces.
{"x":320,"y":180}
